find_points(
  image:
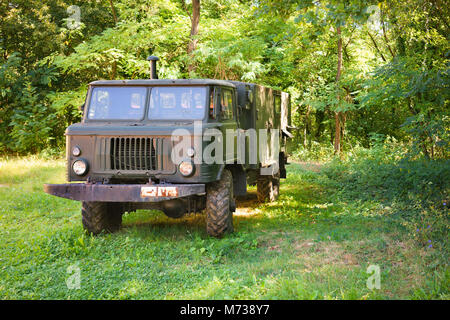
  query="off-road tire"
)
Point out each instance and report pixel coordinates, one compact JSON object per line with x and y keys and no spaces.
{"x":268,"y":188}
{"x":101,"y":216}
{"x":220,"y":205}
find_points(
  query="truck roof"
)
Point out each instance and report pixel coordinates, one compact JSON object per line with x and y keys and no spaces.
{"x":163,"y":82}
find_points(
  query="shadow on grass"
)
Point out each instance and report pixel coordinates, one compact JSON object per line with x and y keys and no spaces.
{"x":303,"y":209}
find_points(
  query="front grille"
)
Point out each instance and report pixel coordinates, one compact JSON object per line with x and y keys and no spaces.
{"x":136,"y":154}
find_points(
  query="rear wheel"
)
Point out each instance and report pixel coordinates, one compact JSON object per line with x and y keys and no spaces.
{"x":101,"y":216}
{"x":220,"y":205}
{"x":268,"y":188}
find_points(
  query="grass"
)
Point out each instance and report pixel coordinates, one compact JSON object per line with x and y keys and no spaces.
{"x":313,"y":243}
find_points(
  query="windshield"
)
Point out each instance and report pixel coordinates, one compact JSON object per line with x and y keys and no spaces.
{"x":177,"y":103}
{"x":129,"y":103}
{"x":114,"y":103}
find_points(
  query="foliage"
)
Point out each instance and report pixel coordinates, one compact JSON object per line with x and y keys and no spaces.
{"x":34,"y":114}
{"x":322,"y":152}
{"x":394,"y":78}
{"x":413,"y":191}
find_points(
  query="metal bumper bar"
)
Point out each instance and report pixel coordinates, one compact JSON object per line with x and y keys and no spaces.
{"x":123,"y":192}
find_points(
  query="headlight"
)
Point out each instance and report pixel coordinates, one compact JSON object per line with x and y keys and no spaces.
{"x":190,"y":152}
{"x":76,"y":151}
{"x":80,"y":167}
{"x":186,"y":168}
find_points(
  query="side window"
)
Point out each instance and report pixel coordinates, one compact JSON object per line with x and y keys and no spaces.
{"x":226,"y":103}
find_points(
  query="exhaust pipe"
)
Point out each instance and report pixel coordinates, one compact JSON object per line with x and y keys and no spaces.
{"x":153,"y":73}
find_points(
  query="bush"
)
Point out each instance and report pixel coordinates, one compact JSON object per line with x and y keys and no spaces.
{"x":316,"y":152}
{"x":415,"y":191}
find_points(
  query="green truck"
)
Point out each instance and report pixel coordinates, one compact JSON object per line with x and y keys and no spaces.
{"x":180,"y":146}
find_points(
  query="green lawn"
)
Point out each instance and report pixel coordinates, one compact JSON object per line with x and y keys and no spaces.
{"x":311,"y":244}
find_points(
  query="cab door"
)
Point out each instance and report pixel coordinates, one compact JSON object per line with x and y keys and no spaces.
{"x":226,"y":112}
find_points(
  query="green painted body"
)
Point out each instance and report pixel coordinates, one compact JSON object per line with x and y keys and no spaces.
{"x":253,"y":107}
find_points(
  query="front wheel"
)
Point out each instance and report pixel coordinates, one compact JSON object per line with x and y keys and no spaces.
{"x":220,"y":205}
{"x":101,"y":216}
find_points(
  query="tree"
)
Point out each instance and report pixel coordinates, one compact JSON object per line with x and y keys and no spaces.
{"x":113,"y":11}
{"x":195,"y":20}
{"x":349,"y":80}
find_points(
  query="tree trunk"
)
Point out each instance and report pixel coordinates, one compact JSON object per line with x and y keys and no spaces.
{"x":337,"y":133}
{"x":113,"y":11}
{"x":339,"y":66}
{"x":195,"y":20}
{"x":337,"y":116}
{"x":307,"y":130}
{"x":343,"y":119}
{"x":384,"y":33}
{"x":331,"y":128}
{"x":376,"y":46}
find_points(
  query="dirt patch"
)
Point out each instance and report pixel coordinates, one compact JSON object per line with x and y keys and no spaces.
{"x":312,"y":254}
{"x":349,"y":259}
{"x":276,"y":248}
{"x":316,"y":254}
{"x":302,"y":245}
{"x":334,"y":253}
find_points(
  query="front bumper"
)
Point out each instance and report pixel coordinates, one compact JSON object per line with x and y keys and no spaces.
{"x":121,"y":192}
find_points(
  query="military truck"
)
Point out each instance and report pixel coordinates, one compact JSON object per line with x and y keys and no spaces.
{"x":122,"y":152}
